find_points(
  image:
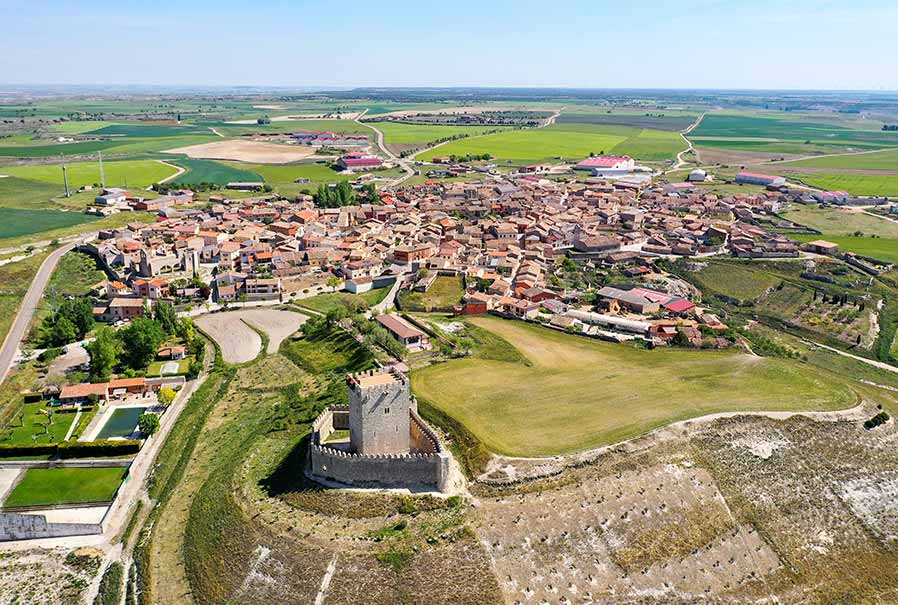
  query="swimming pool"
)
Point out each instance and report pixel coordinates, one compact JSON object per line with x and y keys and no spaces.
{"x":122,"y":423}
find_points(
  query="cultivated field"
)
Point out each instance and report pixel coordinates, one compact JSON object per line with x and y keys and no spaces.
{"x":837,"y":222}
{"x":570,"y":141}
{"x":582,"y":393}
{"x":209,"y":171}
{"x":131,"y":173}
{"x":878,"y":160}
{"x":246,"y":151}
{"x":238,"y":341}
{"x":856,"y":184}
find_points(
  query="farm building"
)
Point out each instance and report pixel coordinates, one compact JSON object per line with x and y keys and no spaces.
{"x":359,"y":161}
{"x":246,"y":186}
{"x":410,"y":336}
{"x":329,"y":139}
{"x":765,"y":180}
{"x":607,"y":165}
{"x":697,"y":176}
{"x":822,"y":247}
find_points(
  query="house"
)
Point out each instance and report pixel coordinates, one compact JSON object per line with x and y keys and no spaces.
{"x":330,"y":139}
{"x":123,"y":309}
{"x":154,"y":289}
{"x":410,"y":254}
{"x":121,"y":387}
{"x":820,"y":246}
{"x":697,"y":176}
{"x":261,"y":289}
{"x":410,"y":336}
{"x":82,"y":393}
{"x":607,"y":165}
{"x":111,"y":197}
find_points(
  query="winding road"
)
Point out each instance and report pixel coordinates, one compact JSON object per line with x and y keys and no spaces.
{"x":406,"y":165}
{"x":690,"y":147}
{"x":26,"y":310}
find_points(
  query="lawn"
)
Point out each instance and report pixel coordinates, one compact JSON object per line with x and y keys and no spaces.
{"x":210,"y":171}
{"x":124,"y":173}
{"x":833,"y":221}
{"x":570,"y":141}
{"x":581,"y":393}
{"x":29,"y":427}
{"x":328,"y":302}
{"x":880,"y":248}
{"x":446,"y":292}
{"x":46,"y":486}
{"x":121,"y":424}
{"x":155,"y":368}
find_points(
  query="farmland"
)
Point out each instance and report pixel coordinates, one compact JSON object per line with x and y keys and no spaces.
{"x":834,"y":222}
{"x":672,"y":123}
{"x":15,"y":222}
{"x":210,"y":171}
{"x":735,"y":129}
{"x":855,"y":184}
{"x":45,"y":486}
{"x":581,"y":393}
{"x":25,"y":194}
{"x":877,"y":160}
{"x":571,"y":141}
{"x":130,"y":173}
{"x":880,"y":248}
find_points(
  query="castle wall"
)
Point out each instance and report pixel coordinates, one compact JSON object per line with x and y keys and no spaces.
{"x":412,"y":471}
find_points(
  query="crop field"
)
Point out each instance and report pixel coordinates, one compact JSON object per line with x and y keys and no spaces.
{"x":210,"y":171}
{"x":880,"y":248}
{"x":730,"y":128}
{"x":877,"y":160}
{"x":855,"y":184}
{"x":131,"y":173}
{"x":45,"y":151}
{"x":581,"y":393}
{"x":673,"y":123}
{"x":835,"y":222}
{"x":15,"y":222}
{"x":148,"y":130}
{"x":22,"y":193}
{"x":397,"y":133}
{"x":45,"y":486}
{"x":570,"y":141}
{"x":341,"y":126}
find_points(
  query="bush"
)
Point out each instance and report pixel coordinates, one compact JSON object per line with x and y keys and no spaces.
{"x":874,"y":422}
{"x":88,"y":449}
{"x":110,"y":592}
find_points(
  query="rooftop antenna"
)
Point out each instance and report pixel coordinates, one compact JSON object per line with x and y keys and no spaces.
{"x":65,"y":177}
{"x":102,"y":173}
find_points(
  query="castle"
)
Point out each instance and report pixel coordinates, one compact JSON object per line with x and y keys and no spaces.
{"x":389,"y":445}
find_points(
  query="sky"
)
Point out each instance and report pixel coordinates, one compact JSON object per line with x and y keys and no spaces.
{"x":758,"y":44}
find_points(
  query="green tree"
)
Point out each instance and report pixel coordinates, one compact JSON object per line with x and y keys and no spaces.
{"x":186,"y":331}
{"x":166,"y":316}
{"x":167,"y":396}
{"x":104,"y":352}
{"x":148,"y":424}
{"x":80,"y":312}
{"x":140,"y":341}
{"x":63,"y":331}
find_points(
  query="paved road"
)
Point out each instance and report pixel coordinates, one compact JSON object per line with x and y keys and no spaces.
{"x":27,"y":309}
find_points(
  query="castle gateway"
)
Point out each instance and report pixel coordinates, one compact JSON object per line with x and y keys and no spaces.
{"x":388,"y":446}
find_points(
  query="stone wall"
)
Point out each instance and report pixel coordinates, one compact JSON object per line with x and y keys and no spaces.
{"x":378,"y":416}
{"x":15,"y":526}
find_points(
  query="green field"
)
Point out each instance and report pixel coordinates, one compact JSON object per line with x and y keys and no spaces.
{"x":855,"y":184}
{"x":131,"y":173}
{"x":397,"y":133}
{"x":342,"y":126}
{"x":734,"y":281}
{"x":570,"y":141}
{"x":15,"y":222}
{"x":210,"y":171}
{"x":654,"y":121}
{"x":580,"y":393}
{"x":21,"y":193}
{"x":148,"y":130}
{"x":445,"y":292}
{"x":790,"y":128}
{"x":328,"y":302}
{"x":45,"y":486}
{"x":332,"y":351}
{"x":878,"y":160}
{"x":880,"y":248}
{"x":835,"y":222}
{"x":31,"y":427}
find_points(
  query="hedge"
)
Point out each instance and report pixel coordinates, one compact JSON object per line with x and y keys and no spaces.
{"x":74,"y":449}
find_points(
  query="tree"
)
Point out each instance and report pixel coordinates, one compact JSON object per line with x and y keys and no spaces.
{"x":167,"y":396}
{"x":165,"y":315}
{"x":140,"y":341}
{"x":186,"y":331}
{"x":80,"y":312}
{"x":104,"y":352}
{"x":148,"y":423}
{"x":63,"y":331}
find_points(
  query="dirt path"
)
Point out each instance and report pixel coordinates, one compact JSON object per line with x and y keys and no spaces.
{"x":551,"y":119}
{"x":690,"y":147}
{"x":870,"y":362}
{"x":179,"y":172}
{"x":216,"y":132}
{"x":831,"y":155}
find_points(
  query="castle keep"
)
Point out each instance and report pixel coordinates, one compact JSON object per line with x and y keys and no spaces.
{"x":389,"y":445}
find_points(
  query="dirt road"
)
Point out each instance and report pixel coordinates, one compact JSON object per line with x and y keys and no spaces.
{"x":680,"y":161}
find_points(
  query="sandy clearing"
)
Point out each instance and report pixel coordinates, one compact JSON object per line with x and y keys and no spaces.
{"x":239,"y":343}
{"x":246,"y":151}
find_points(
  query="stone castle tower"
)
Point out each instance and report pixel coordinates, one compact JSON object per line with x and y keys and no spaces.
{"x":379,"y":406}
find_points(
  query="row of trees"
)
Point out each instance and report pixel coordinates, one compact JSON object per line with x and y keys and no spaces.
{"x":343,"y":195}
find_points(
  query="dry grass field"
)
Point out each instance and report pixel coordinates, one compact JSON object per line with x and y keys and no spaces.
{"x":582,"y":393}
{"x":246,"y":151}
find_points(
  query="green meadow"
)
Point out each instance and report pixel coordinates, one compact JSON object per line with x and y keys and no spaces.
{"x":397,"y":133}
{"x":133,"y":173}
{"x":15,"y":222}
{"x":876,"y":160}
{"x":210,"y":171}
{"x":855,"y":184}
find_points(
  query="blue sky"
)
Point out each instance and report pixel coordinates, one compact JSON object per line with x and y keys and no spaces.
{"x":648,"y":44}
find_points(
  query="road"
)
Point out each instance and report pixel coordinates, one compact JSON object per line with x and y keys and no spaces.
{"x":179,"y":172}
{"x":690,"y":147}
{"x":406,"y":165}
{"x":28,"y":307}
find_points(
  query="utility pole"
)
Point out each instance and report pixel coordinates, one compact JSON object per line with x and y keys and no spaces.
{"x":65,"y":177}
{"x":102,"y":174}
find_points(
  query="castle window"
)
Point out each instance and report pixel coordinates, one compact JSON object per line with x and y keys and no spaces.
{"x":386,"y":410}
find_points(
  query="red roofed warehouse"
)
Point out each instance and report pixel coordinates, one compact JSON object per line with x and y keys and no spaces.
{"x":607,"y":165}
